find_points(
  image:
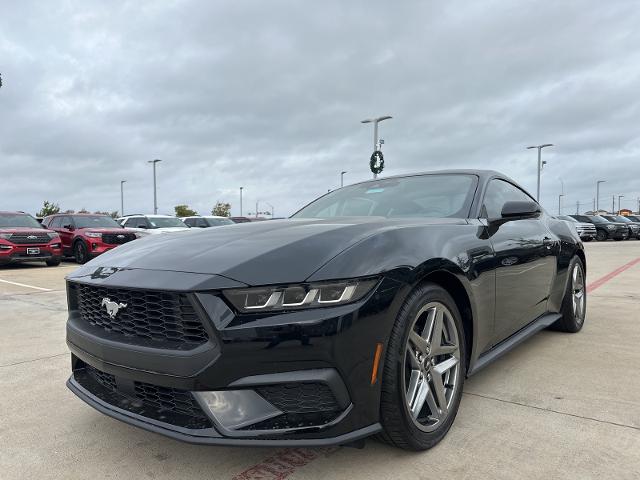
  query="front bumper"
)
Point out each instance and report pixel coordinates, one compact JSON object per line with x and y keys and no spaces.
{"x":322,"y":359}
{"x":12,"y":253}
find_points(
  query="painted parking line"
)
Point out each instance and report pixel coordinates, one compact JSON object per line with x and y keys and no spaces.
{"x":602,"y":280}
{"x":25,"y":285}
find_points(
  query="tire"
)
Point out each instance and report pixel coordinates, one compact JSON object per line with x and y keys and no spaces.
{"x":53,"y":263}
{"x":572,"y":319}
{"x":80,"y":252}
{"x":601,"y":235}
{"x":405,"y":366}
{"x":588,"y":239}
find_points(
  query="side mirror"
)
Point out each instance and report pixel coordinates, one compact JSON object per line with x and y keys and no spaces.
{"x":518,"y":210}
{"x":142,"y":225}
{"x":71,"y":228}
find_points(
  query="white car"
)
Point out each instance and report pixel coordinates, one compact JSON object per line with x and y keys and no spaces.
{"x":152,"y":224}
{"x":207,"y":221}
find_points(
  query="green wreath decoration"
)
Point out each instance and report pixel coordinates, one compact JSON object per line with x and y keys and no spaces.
{"x":376,"y":162}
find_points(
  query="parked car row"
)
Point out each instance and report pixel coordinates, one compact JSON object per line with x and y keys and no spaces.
{"x":605,"y":227}
{"x":83,"y":236}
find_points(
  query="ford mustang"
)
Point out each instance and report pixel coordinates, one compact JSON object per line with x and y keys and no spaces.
{"x":362,"y":314}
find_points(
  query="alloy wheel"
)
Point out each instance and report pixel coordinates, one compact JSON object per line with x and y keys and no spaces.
{"x":577,"y":293}
{"x":431,"y":366}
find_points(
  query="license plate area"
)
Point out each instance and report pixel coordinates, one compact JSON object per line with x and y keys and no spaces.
{"x":33,"y":251}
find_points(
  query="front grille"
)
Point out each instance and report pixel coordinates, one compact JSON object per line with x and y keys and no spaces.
{"x":169,"y":405}
{"x":117,"y":238}
{"x":167,"y":319}
{"x":29,"y":238}
{"x":303,"y":405}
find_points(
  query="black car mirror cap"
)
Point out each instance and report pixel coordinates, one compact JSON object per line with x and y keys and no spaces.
{"x":69,"y":227}
{"x":517,"y":210}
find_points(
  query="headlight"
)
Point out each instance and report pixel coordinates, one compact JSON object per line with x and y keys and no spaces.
{"x":141,"y":234}
{"x":53,"y":235}
{"x":6,"y":236}
{"x":93,"y":234}
{"x":295,"y":297}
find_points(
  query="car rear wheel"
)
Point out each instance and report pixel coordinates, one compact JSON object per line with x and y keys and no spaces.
{"x":601,"y":235}
{"x":424,"y":370}
{"x":53,"y":263}
{"x":80,"y":252}
{"x":574,"y":303}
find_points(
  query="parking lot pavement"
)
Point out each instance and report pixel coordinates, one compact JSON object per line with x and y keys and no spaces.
{"x":559,"y":406}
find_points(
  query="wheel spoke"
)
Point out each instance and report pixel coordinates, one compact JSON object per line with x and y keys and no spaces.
{"x":436,"y":332}
{"x":446,"y":365}
{"x":431,"y":402}
{"x":428,"y":325}
{"x":414,"y":382}
{"x":420,"y":343}
{"x":415,"y":364}
{"x":421,"y":395}
{"x":440,"y":396}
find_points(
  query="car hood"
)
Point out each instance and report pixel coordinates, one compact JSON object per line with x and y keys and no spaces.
{"x":24,"y":230}
{"x":153,"y":231}
{"x":113,"y":230}
{"x":277,"y":251}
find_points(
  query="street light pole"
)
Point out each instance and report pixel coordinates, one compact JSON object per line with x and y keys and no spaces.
{"x":342,"y":179}
{"x":241,"y":188}
{"x":122,"y":182}
{"x":375,"y":122}
{"x":598,"y":194}
{"x":272,"y":209}
{"x":560,"y":203}
{"x":155,"y":194}
{"x":540,"y":164}
{"x":619,"y":205}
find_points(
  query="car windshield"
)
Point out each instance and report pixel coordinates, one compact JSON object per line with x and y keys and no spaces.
{"x":10,"y":220}
{"x":434,"y":195}
{"x":568,"y":219}
{"x":166,"y":222}
{"x":598,"y":219}
{"x":216,"y":222}
{"x":620,"y":218}
{"x":98,"y":221}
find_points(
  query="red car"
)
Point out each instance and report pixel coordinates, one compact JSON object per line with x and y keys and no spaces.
{"x":85,"y":236}
{"x":23,"y":239}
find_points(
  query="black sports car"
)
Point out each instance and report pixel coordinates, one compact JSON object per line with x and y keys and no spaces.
{"x":361,"y":314}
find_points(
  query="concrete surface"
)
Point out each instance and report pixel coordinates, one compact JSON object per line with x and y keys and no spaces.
{"x":560,"y":406}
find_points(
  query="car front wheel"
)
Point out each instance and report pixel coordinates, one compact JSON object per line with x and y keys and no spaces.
{"x":80,"y":252}
{"x":574,"y":303}
{"x":601,"y":236}
{"x":424,"y":370}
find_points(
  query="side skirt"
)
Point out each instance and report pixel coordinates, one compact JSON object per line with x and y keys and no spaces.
{"x":513,"y":341}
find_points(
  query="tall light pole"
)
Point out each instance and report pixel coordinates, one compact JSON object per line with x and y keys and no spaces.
{"x":540,"y":164}
{"x":375,"y":122}
{"x":560,"y":203}
{"x":342,"y":179}
{"x":122,"y":182}
{"x":619,"y":206}
{"x":155,"y":192}
{"x":598,"y":194}
{"x":241,"y":188}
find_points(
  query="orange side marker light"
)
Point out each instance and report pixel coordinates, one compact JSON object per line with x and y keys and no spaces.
{"x":376,"y":363}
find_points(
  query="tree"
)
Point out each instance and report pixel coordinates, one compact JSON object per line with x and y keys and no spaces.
{"x":221,"y":209}
{"x":184,"y":211}
{"x":114,"y":214}
{"x":83,"y":210}
{"x":48,"y":208}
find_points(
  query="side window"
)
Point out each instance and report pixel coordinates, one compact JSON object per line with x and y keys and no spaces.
{"x":202,"y":223}
{"x":130,"y":222}
{"x":56,"y":222}
{"x":65,"y":222}
{"x":188,"y":222}
{"x":498,"y":193}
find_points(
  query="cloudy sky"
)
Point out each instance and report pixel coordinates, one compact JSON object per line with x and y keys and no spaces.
{"x":269,"y":96}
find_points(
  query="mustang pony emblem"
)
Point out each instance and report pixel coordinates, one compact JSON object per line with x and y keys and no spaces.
{"x":112,"y":307}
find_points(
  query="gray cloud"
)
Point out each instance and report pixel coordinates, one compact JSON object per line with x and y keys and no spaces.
{"x":269,"y":96}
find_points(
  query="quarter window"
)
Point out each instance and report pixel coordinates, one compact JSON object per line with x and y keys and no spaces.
{"x":498,"y":193}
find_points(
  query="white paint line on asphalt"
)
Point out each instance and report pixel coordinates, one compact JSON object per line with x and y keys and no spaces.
{"x":26,"y":286}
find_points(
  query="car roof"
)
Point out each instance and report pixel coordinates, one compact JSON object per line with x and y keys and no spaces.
{"x":13,"y":213}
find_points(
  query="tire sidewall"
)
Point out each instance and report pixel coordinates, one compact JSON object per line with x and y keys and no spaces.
{"x":80,"y":246}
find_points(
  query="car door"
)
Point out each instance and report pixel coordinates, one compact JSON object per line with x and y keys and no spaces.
{"x":66,"y":232}
{"x":525,"y":261}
